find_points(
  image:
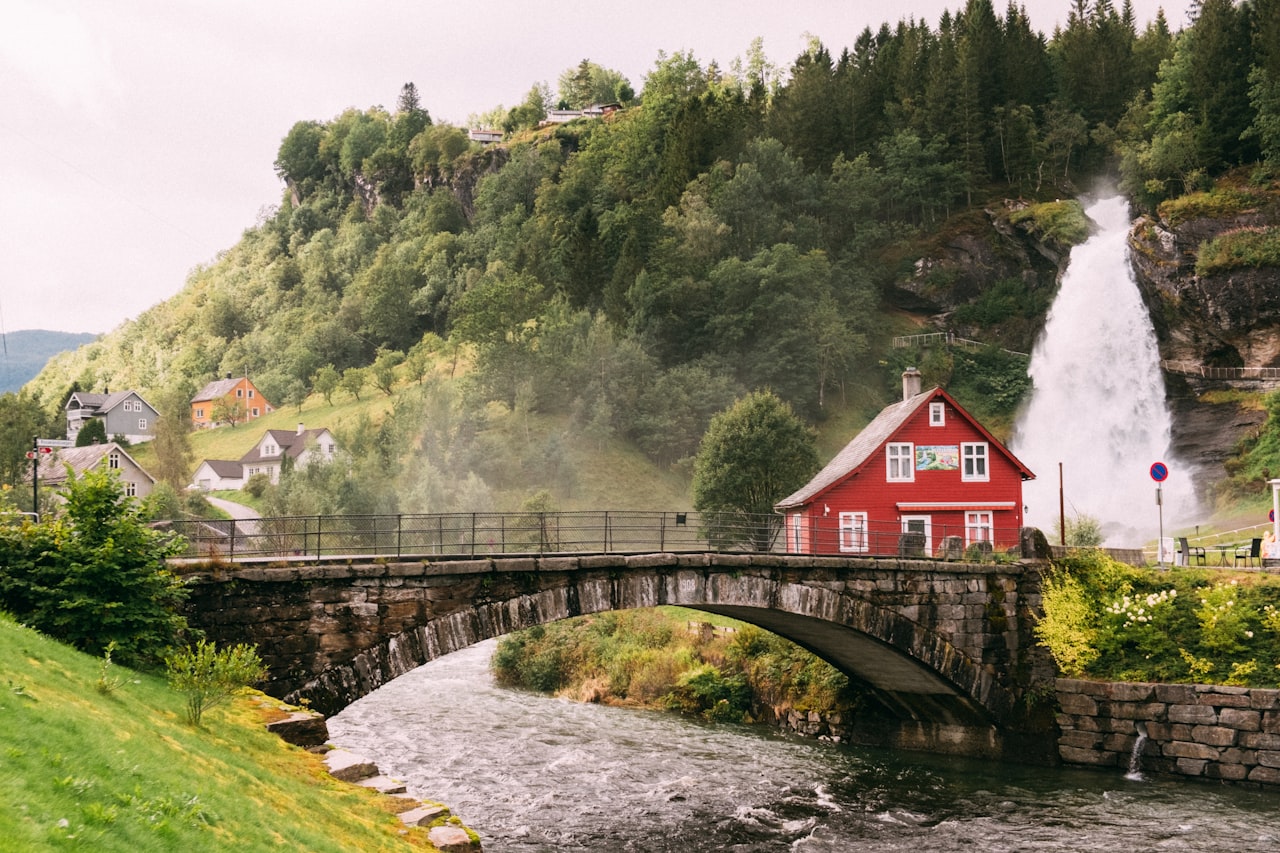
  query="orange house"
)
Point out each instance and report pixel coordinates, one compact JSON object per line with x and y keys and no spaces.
{"x":228,"y":401}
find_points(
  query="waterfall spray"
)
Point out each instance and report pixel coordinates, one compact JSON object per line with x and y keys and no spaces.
{"x":1098,"y":401}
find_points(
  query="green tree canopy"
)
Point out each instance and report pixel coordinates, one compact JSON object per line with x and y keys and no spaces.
{"x":755,"y":453}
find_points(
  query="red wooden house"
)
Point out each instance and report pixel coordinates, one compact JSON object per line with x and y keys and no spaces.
{"x":924,"y":477}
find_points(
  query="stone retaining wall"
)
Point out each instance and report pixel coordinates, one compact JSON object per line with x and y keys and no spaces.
{"x":1197,"y":730}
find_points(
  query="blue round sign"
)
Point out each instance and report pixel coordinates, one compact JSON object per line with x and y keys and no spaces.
{"x":1271,"y":516}
{"x":1159,"y":471}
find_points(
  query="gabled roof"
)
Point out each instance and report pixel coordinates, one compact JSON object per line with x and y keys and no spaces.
{"x":52,"y":468}
{"x":867,"y":444}
{"x":290,"y":442}
{"x":218,"y":389}
{"x":227,"y":469}
{"x":104,"y":402}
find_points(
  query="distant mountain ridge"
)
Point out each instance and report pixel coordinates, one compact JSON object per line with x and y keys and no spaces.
{"x":24,"y":354}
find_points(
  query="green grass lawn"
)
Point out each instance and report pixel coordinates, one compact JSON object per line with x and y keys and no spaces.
{"x":122,"y":771}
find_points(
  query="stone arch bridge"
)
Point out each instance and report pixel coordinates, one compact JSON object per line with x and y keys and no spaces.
{"x":944,"y":649}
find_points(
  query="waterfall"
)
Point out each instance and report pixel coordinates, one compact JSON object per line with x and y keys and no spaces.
{"x":1097,"y":404}
{"x":1135,"y":757}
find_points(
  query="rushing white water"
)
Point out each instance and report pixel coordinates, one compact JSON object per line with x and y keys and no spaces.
{"x":1098,"y":404}
{"x":533,"y":774}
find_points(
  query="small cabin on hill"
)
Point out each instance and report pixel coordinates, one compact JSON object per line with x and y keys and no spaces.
{"x":123,"y":413}
{"x":228,"y":401}
{"x":923,"y":478}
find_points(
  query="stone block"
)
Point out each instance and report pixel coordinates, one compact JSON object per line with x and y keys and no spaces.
{"x":1227,"y":772}
{"x":1264,"y":700}
{"x":1092,"y":757}
{"x":1192,"y":714}
{"x":450,"y":839}
{"x":1235,"y":755}
{"x":301,"y":728}
{"x":1191,"y":766}
{"x":1122,"y":692}
{"x":1076,"y":703}
{"x":1138,"y":710}
{"x":1268,"y":758}
{"x":348,"y":766}
{"x":1265,"y":775}
{"x":1214,"y":735}
{"x":1082,"y":740}
{"x":1238,"y":718}
{"x":423,"y":815}
{"x":1182,"y":749}
{"x":1260,"y":740}
{"x":1080,"y":686}
{"x":1176,"y":694}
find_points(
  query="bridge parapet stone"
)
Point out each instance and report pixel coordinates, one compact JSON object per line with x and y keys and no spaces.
{"x":649,"y":561}
{"x":459,"y":567}
{"x":603,"y":561}
{"x":734,"y":560}
{"x":516,"y":564}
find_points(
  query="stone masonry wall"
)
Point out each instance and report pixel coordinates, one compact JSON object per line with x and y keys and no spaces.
{"x":1205,"y":731}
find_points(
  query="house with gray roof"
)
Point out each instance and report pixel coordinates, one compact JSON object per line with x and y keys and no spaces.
{"x":124,"y":413}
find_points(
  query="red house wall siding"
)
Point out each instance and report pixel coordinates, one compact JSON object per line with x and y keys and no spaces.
{"x":885,"y":503}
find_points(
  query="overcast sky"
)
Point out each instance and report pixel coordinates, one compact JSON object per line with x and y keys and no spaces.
{"x":137,"y":136}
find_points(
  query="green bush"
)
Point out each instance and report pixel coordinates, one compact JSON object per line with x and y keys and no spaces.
{"x":94,"y":575}
{"x":1246,"y":247}
{"x":207,"y":676}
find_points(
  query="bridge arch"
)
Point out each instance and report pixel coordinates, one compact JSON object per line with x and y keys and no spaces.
{"x":943,"y":648}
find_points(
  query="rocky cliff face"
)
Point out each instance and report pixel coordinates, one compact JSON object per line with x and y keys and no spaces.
{"x":1231,"y":319}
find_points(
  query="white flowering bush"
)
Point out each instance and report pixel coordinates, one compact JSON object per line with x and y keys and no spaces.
{"x":1135,"y":612}
{"x":1224,"y":619}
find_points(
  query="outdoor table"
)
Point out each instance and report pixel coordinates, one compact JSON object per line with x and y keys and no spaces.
{"x":1222,"y":551}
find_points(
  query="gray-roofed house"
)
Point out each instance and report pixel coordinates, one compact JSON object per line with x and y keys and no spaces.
{"x":52,"y":469}
{"x":124,"y":413}
{"x":218,"y":475}
{"x":303,"y":446}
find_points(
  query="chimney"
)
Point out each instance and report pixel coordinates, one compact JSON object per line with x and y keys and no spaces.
{"x":300,"y":429}
{"x":911,"y":381}
{"x":228,"y":375}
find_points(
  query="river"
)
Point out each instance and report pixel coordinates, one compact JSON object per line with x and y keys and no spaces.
{"x":532,"y":773}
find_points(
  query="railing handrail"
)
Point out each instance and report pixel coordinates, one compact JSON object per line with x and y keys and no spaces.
{"x":431,"y":535}
{"x":1205,"y":371}
{"x":949,"y":338}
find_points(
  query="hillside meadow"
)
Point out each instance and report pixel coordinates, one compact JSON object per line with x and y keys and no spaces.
{"x":120,"y":769}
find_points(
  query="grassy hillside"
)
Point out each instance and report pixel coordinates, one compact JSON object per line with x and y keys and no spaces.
{"x":122,"y":771}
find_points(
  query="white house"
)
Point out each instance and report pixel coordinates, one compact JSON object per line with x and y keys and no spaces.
{"x":303,"y":447}
{"x":219,"y":475}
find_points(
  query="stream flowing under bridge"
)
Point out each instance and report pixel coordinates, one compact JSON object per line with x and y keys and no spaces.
{"x":943,"y":650}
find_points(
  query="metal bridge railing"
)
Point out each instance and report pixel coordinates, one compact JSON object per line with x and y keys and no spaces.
{"x":408,"y":536}
{"x":1203,"y":371}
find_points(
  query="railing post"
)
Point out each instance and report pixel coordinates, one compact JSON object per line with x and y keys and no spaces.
{"x":399,"y":533}
{"x":232,"y":553}
{"x":662,"y":532}
{"x":319,"y":525}
{"x":473,"y":534}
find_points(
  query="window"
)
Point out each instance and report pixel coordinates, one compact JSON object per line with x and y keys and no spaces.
{"x":937,"y":414}
{"x":199,"y":413}
{"x":330,"y":449}
{"x":255,"y":408}
{"x":131,"y":489}
{"x":921,"y":526}
{"x":239,"y":392}
{"x":797,"y":527}
{"x":142,"y":424}
{"x":113,"y":460}
{"x":268,"y":450}
{"x":853,"y":532}
{"x":974,"y":462}
{"x":977,"y":527}
{"x":250,"y":393}
{"x":901,"y":461}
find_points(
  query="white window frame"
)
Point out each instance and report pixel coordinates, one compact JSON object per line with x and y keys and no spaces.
{"x":131,"y":489}
{"x":926,"y":522}
{"x":975,"y":462}
{"x":142,"y":424}
{"x":795,"y":528}
{"x":979,"y":526}
{"x":937,"y":414}
{"x":900,"y":462}
{"x":113,"y":460}
{"x":853,"y":533}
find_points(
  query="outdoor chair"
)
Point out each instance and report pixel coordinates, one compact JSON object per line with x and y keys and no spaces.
{"x":1249,"y":553}
{"x":1189,"y":553}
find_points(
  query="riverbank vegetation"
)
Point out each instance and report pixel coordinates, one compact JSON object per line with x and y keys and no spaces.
{"x":1109,"y":621}
{"x":94,"y":756}
{"x":675,"y":659}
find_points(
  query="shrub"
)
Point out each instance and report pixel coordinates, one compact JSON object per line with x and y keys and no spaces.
{"x":208,"y":676}
{"x":1245,"y":247}
{"x":1065,"y":629}
{"x":95,"y":575}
